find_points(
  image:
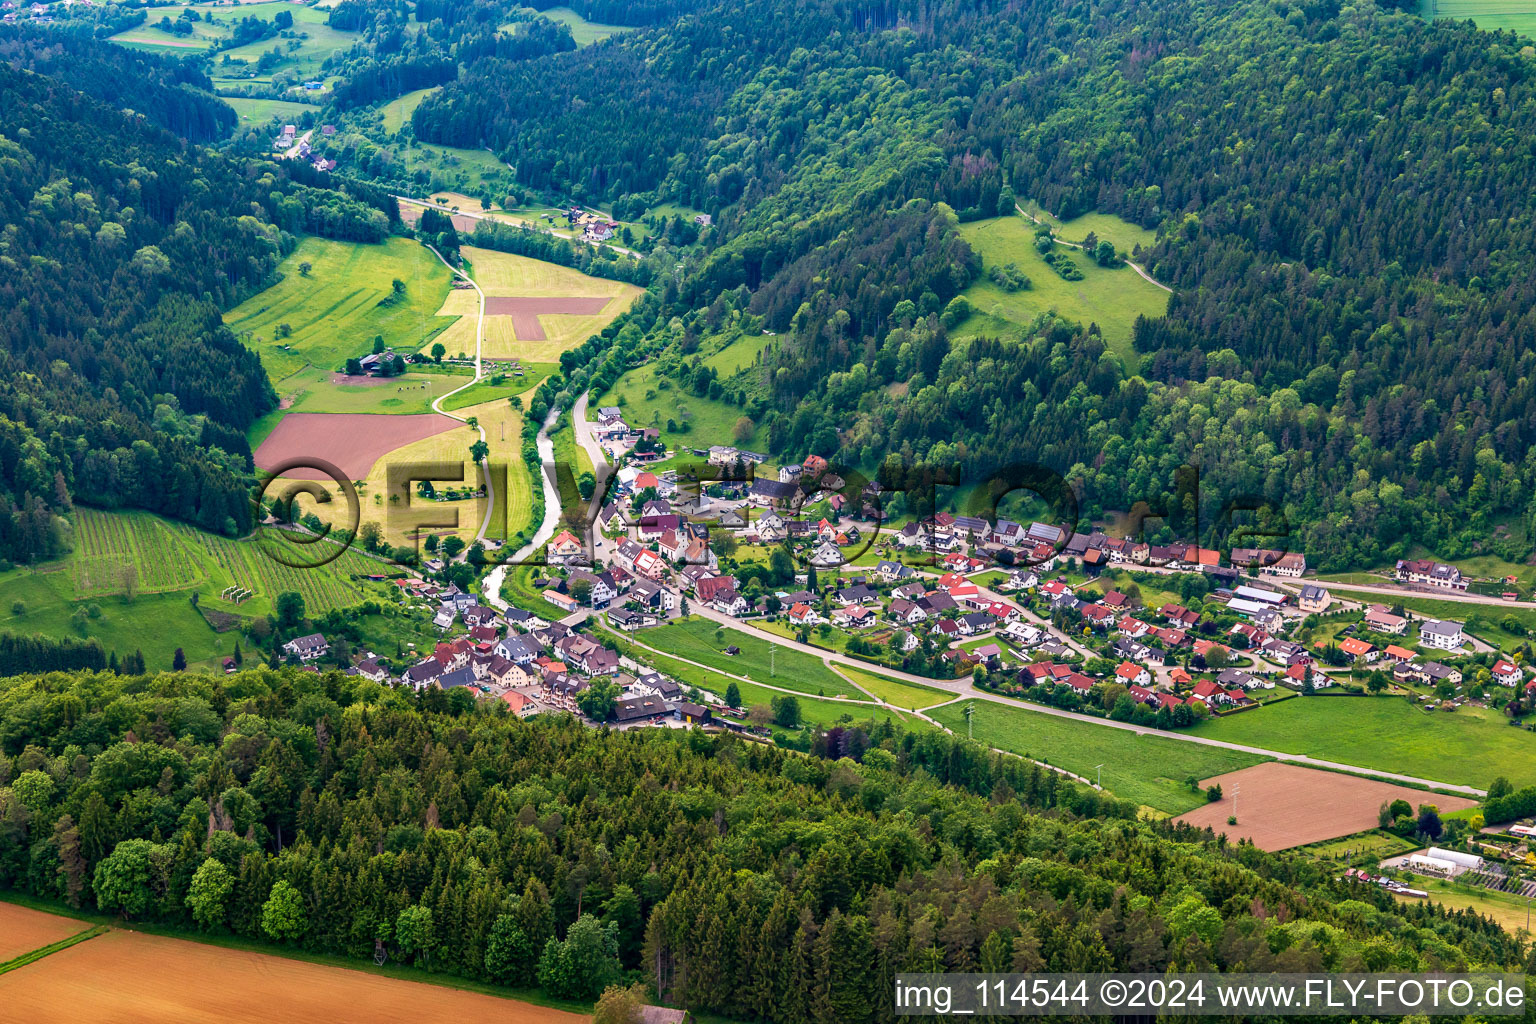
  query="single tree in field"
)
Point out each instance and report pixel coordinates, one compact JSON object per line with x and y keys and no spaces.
{"x":438,"y":351}
{"x":304,"y":269}
{"x":179,"y":660}
{"x":733,"y":694}
{"x":478,"y":451}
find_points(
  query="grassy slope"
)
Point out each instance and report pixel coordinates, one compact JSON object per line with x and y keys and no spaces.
{"x":815,"y":710}
{"x":650,"y":400}
{"x":694,"y":639}
{"x":1148,"y":769}
{"x":259,"y":111}
{"x":583,"y":31}
{"x":335,"y":313}
{"x":1123,"y":233}
{"x":1111,"y":298}
{"x":399,"y":110}
{"x":319,"y":43}
{"x":170,"y":562}
{"x":896,"y":691}
{"x":1467,"y":747}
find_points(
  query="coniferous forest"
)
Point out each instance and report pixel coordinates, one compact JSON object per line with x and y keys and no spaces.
{"x":329,"y":814}
{"x":122,"y":243}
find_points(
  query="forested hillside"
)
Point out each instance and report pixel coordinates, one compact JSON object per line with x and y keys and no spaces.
{"x":331,"y":814}
{"x":1344,"y":198}
{"x":119,"y":384}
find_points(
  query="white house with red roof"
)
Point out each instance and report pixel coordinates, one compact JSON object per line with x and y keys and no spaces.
{"x":1506,"y":672}
{"x":803,"y":615}
{"x":1129,"y":672}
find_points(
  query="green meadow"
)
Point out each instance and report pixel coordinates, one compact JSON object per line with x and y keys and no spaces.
{"x":342,"y":304}
{"x":583,"y":31}
{"x":701,"y":640}
{"x":1151,"y":770}
{"x":399,"y":110}
{"x":156,"y":584}
{"x":1468,"y":747}
{"x":1489,"y":15}
{"x":1111,"y":297}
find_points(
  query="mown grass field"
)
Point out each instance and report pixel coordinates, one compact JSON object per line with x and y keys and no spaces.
{"x":1489,"y":15}
{"x":399,"y":110}
{"x":695,"y":639}
{"x":1112,"y":298}
{"x":485,"y":391}
{"x":1372,"y":845}
{"x":583,"y":31}
{"x":899,"y":692}
{"x":1150,"y":770}
{"x":260,"y":111}
{"x":1468,"y":747}
{"x":1508,"y":910}
{"x":1123,"y":233}
{"x":342,"y":304}
{"x":819,"y":711}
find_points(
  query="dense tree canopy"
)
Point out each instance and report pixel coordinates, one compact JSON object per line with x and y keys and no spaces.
{"x":333,"y":814}
{"x":119,"y":384}
{"x":1342,"y":195}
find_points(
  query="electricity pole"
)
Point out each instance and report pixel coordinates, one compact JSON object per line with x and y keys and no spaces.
{"x":970,"y":709}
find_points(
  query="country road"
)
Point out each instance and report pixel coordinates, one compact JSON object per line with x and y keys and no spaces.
{"x":966,"y":689}
{"x":437,"y":404}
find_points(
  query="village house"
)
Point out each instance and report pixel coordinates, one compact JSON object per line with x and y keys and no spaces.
{"x":854,"y":617}
{"x":1355,"y":649}
{"x":975,"y":622}
{"x":1438,"y":633}
{"x":905,"y":612}
{"x":1129,"y":673}
{"x":1212,"y":695}
{"x":1506,"y":672}
{"x":307,"y":648}
{"x":1382,"y":621}
{"x":1097,"y":616}
{"x":371,"y":669}
{"x":565,"y":548}
{"x":1314,"y":599}
{"x":1306,"y":671}
{"x":727,"y":602}
{"x":803,"y":615}
{"x":1423,"y":572}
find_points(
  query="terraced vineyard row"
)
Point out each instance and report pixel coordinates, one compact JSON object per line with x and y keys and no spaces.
{"x":116,"y":551}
